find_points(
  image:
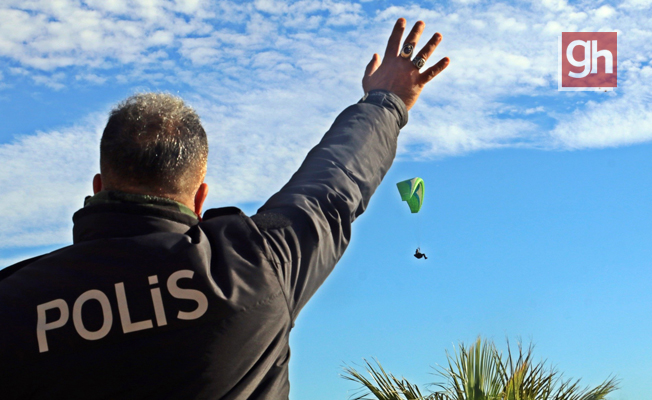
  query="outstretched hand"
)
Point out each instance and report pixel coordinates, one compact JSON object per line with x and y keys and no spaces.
{"x":398,"y":74}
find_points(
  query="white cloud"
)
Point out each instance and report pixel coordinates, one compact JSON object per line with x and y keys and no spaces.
{"x":554,"y":28}
{"x":201,"y":51}
{"x":534,"y":110}
{"x":445,"y":132}
{"x":605,"y":12}
{"x":637,"y":4}
{"x":509,"y":23}
{"x":44,"y":179}
{"x":624,"y":119}
{"x":48,"y":35}
{"x":605,"y":125}
{"x":411,"y":13}
{"x":555,"y":5}
{"x":53,"y":81}
{"x":92,"y":78}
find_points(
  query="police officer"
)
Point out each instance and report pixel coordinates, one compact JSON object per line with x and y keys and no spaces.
{"x":154,"y":301}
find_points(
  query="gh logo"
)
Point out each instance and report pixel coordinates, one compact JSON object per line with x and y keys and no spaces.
{"x":590,"y":47}
{"x":588,"y":61}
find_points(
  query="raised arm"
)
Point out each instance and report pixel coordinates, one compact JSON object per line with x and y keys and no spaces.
{"x":307,"y":224}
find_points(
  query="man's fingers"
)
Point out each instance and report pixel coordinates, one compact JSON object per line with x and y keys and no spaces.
{"x":394,"y":42}
{"x":433,"y":71}
{"x":372,"y":66}
{"x":425,"y":53}
{"x":415,"y":34}
{"x":430,"y":47}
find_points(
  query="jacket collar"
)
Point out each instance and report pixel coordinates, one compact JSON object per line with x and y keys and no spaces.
{"x":117,"y":214}
{"x":115,"y":196}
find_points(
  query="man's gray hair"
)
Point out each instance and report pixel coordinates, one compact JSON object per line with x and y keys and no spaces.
{"x":154,"y":142}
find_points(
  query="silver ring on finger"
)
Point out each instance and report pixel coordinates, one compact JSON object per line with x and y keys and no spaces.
{"x":406,"y":51}
{"x":419,"y":62}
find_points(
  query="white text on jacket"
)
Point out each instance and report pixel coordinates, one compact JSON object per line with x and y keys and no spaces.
{"x":128,"y":325}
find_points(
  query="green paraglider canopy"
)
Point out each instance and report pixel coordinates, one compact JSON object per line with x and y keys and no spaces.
{"x":412,"y":191}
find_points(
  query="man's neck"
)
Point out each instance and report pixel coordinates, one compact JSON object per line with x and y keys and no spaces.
{"x":116,"y":196}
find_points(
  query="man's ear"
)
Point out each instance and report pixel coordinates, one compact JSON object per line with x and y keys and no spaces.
{"x":200,"y":197}
{"x":97,"y":183}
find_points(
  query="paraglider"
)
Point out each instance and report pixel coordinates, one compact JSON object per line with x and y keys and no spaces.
{"x":412,"y":191}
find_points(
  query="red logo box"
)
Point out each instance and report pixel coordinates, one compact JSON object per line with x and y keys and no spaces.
{"x":588,"y":61}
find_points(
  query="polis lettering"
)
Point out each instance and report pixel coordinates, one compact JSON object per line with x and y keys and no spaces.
{"x":42,"y":325}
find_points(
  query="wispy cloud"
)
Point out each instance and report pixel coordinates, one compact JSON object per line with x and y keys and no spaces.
{"x":623,"y":120}
{"x":44,"y":179}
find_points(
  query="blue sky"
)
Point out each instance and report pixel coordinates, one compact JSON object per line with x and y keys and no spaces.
{"x":537,"y":217}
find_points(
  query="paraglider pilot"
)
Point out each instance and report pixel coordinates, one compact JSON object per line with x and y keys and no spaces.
{"x":419,"y":254}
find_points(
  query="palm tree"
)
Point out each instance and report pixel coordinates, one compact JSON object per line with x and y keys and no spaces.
{"x":480,"y":372}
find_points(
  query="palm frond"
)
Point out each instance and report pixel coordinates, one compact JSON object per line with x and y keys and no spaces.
{"x":473,"y":373}
{"x":570,"y":390}
{"x":523,"y":379}
{"x":386,"y":386}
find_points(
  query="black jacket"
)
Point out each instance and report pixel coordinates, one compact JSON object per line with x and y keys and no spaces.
{"x":148,"y":303}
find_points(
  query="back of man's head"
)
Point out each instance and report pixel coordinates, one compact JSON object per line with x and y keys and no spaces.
{"x":154,"y":144}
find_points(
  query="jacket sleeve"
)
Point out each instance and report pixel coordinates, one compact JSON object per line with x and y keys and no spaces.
{"x":307,"y":224}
